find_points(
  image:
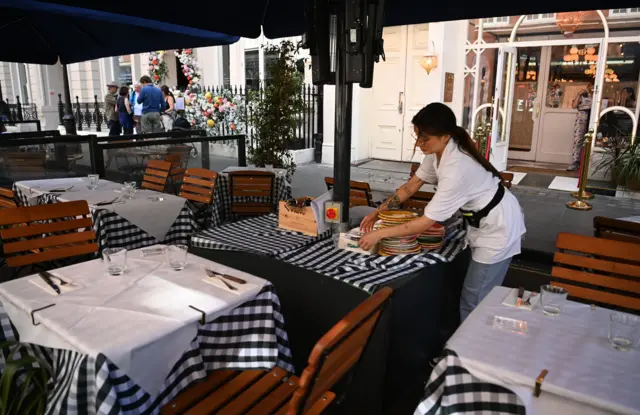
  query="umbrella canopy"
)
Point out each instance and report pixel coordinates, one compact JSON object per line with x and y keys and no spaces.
{"x":280,"y":18}
{"x":42,"y":33}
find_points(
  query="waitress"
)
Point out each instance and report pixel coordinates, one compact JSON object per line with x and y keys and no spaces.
{"x":467,"y":182}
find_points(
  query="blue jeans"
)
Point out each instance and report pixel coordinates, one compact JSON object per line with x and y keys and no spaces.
{"x":480,"y":279}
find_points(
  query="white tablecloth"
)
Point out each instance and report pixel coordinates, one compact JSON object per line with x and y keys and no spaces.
{"x":586,"y":374}
{"x":153,"y":217}
{"x":141,"y":320}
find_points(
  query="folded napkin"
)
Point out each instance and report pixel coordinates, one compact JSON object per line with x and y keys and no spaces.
{"x":241,"y":288}
{"x":66,"y":288}
{"x":512,"y":298}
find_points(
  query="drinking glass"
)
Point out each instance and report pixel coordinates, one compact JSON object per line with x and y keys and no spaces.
{"x":552,"y":299}
{"x":177,"y":256}
{"x":116,"y":259}
{"x":624,"y":331}
{"x":93,"y":181}
{"x":128,"y":190}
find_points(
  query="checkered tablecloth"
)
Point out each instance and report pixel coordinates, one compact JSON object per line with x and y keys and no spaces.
{"x":251,"y":336}
{"x":259,"y":235}
{"x":368,"y":272}
{"x":221,"y":207}
{"x":452,"y":389}
{"x":114,"y":231}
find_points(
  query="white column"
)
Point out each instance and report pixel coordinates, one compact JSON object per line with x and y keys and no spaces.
{"x":210,"y":60}
{"x":136,"y":68}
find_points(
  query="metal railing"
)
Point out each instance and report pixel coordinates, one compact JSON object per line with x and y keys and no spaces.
{"x":88,"y":116}
{"x":21,"y":112}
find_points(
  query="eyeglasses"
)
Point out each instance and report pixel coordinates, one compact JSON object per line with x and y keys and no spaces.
{"x":418,"y":138}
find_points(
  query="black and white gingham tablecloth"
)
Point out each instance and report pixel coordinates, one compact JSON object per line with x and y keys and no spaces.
{"x":251,"y":336}
{"x":368,"y":272}
{"x":221,"y":207}
{"x":114,"y":231}
{"x":452,"y":389}
{"x":258,"y":235}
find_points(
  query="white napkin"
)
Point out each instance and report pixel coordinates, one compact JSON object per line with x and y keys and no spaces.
{"x":512,"y":298}
{"x":66,"y":288}
{"x":241,"y":288}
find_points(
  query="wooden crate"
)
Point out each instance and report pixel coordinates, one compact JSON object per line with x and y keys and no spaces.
{"x":297,"y":219}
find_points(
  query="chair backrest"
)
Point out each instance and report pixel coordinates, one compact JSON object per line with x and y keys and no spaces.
{"x":178,"y":156}
{"x":506,"y":179}
{"x":359,"y":192}
{"x":47,"y":232}
{"x":418,"y":201}
{"x":198,"y":185}
{"x":618,"y":230}
{"x":338,"y":351}
{"x":25,"y":161}
{"x":598,"y":270}
{"x":7,"y":198}
{"x":156,"y":175}
{"x":253,"y":184}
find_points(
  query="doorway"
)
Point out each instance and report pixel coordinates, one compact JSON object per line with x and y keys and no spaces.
{"x":181,"y":80}
{"x":397,"y":92}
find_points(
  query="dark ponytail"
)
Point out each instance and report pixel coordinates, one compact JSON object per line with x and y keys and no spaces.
{"x":438,"y":119}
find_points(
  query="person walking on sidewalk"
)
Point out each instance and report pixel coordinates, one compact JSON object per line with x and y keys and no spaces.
{"x":581,"y":102}
{"x":153,"y":103}
{"x":110,"y":111}
{"x":466,"y":182}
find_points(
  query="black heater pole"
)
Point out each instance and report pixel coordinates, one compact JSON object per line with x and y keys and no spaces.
{"x":68,"y":120}
{"x":342,"y":137}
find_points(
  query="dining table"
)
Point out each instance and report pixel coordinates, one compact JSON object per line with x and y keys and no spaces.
{"x":128,"y":344}
{"x":501,"y":351}
{"x":147,"y":218}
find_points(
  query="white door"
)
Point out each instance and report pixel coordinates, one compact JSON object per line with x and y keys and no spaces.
{"x":503,"y":100}
{"x":416,"y":83}
{"x":388,"y":91}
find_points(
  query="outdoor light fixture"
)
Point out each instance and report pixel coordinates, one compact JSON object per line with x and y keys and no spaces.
{"x":429,"y":61}
{"x":568,"y":22}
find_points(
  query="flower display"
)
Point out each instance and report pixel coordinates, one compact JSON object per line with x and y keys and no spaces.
{"x":158,"y":68}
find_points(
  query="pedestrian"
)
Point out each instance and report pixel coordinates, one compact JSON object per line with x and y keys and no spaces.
{"x":169,"y":115}
{"x":110,"y":111}
{"x":582,"y":102}
{"x":153,"y":103}
{"x":124,"y":111}
{"x":137,"y":108}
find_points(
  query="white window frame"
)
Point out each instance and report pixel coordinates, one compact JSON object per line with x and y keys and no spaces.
{"x":626,"y":14}
{"x":492,"y":23}
{"x":538,"y":19}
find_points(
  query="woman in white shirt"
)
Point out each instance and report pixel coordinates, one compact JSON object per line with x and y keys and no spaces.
{"x":465,"y":181}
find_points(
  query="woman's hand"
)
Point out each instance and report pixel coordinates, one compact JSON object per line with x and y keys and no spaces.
{"x":368,"y":221}
{"x":368,"y":240}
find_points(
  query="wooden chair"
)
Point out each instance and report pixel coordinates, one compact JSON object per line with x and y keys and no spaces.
{"x":249,"y":185}
{"x":156,"y":175}
{"x":359,"y":192}
{"x":45,"y":233}
{"x":506,"y":179}
{"x":618,"y":230}
{"x":31,"y":162}
{"x":7,"y":198}
{"x":256,"y":392}
{"x":198,"y":186}
{"x":418,"y":201}
{"x":598,"y":270}
{"x":178,"y":156}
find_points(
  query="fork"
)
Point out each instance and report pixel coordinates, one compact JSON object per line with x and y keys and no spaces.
{"x":212,"y":274}
{"x":528,"y":300}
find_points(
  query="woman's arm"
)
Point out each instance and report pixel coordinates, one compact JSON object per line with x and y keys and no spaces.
{"x":402,"y":194}
{"x":171,"y":102}
{"x":414,"y":227}
{"x":127,"y":105}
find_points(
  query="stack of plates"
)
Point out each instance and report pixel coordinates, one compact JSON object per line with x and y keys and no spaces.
{"x":401,"y":245}
{"x":433,"y":238}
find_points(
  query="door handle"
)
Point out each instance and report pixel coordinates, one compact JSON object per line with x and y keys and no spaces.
{"x":538,"y":110}
{"x":400,"y":103}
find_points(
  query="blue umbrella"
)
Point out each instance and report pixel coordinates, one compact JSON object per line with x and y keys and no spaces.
{"x":41,"y":33}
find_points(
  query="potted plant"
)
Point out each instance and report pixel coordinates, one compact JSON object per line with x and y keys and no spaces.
{"x":628,"y":166}
{"x":275,"y":110}
{"x":616,"y":159}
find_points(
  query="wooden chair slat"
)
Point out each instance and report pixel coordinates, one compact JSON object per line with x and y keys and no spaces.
{"x":226,"y":392}
{"x":276,"y":399}
{"x":7,"y":203}
{"x":600,"y":296}
{"x":207,"y":191}
{"x":321,"y":404}
{"x":595,"y":246}
{"x":159,"y":165}
{"x":47,"y":242}
{"x":251,"y":184}
{"x":202,"y":173}
{"x":45,"y":228}
{"x":597,"y":264}
{"x":357,"y":192}
{"x":52,"y":254}
{"x":41,"y":212}
{"x":154,"y":179}
{"x":195,"y":197}
{"x":615,"y":229}
{"x":596,"y":279}
{"x":204,"y":183}
{"x":195,"y":393}
{"x":251,"y":193}
{"x":7,"y":193}
{"x":240,"y":173}
{"x":267,"y":383}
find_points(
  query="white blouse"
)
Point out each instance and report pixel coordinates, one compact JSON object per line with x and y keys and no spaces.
{"x":464,"y":184}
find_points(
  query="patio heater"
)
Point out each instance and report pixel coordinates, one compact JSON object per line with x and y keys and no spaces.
{"x":345,"y":40}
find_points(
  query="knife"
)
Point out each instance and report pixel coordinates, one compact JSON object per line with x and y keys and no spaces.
{"x":46,"y":277}
{"x":228,"y":277}
{"x":520,"y":295}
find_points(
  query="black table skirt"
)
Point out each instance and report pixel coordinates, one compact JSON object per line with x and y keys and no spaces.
{"x":412,"y":330}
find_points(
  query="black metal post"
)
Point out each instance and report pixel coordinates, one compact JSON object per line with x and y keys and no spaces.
{"x":19,"y":109}
{"x":342,"y":136}
{"x":60,"y":108}
{"x":67,"y":120}
{"x":96,"y":113}
{"x":0,"y":91}
{"x":242,"y":151}
{"x":78,"y":114}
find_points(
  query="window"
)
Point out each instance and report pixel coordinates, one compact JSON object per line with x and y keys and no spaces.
{"x":252,"y":69}
{"x":621,"y":13}
{"x":539,"y":18}
{"x":226,"y":67}
{"x":496,"y":21}
{"x":269,"y":59}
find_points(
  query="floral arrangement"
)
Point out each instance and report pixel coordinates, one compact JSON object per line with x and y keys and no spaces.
{"x":190,"y":68}
{"x":218,"y":114}
{"x":158,"y":68}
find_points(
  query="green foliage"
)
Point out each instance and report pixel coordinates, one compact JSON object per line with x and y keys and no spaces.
{"x":275,"y":111}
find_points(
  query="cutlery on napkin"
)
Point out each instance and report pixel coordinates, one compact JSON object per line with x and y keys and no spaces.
{"x":61,"y":190}
{"x":109,"y":202}
{"x":53,"y":283}
{"x":218,"y":281}
{"x":528,"y":300}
